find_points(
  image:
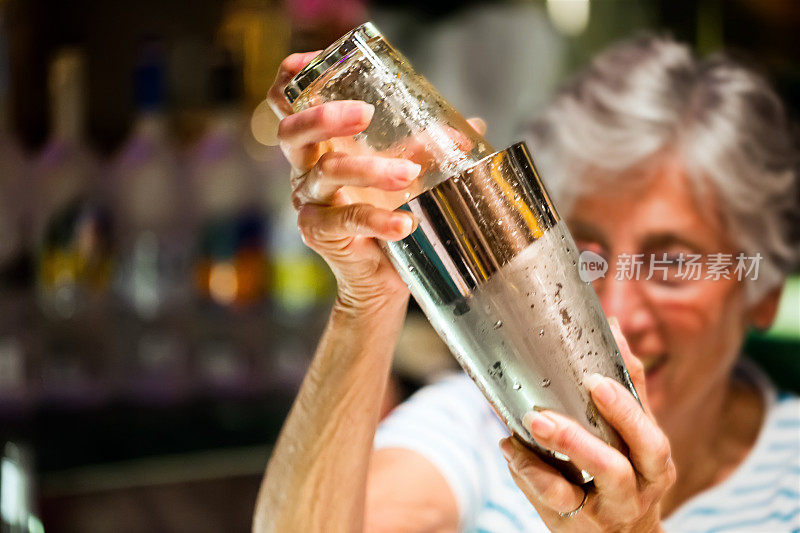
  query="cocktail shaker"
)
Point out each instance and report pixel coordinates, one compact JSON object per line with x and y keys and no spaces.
{"x":491,"y":264}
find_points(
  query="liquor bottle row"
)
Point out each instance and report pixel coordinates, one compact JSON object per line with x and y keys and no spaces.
{"x":156,"y":272}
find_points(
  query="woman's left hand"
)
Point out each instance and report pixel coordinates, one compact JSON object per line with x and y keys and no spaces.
{"x":627,"y":490}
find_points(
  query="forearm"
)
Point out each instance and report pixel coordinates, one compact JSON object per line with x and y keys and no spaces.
{"x":316,"y":478}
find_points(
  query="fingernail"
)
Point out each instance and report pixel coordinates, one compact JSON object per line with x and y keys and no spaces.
{"x":413,"y":169}
{"x":541,"y":425}
{"x":601,"y":389}
{"x":613,"y":322}
{"x":405,"y":171}
{"x":402,"y":224}
{"x":527,"y":418}
{"x":358,"y":113}
{"x":507,"y":449}
{"x":415,"y":219}
{"x":478,"y":124}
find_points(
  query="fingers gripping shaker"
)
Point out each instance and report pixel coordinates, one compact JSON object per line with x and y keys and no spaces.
{"x":491,"y":263}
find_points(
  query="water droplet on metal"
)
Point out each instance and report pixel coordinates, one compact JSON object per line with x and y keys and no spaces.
{"x":517,"y":386}
{"x":498,"y":324}
{"x":546,"y":382}
{"x":541,"y":332}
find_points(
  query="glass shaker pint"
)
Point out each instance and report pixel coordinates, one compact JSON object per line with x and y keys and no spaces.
{"x":491,"y":264}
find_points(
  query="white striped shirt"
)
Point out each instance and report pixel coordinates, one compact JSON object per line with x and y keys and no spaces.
{"x":451,"y":424}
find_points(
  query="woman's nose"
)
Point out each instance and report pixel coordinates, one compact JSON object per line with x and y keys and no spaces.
{"x":624,"y":299}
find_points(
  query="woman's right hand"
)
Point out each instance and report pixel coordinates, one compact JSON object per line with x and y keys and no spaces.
{"x":341,"y":231}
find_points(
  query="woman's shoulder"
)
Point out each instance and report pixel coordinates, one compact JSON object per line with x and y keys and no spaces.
{"x":786,"y":400}
{"x":780,"y":429}
{"x":783,"y":418}
{"x":453,"y":395}
{"x":782,"y":406}
{"x":450,"y":424}
{"x":762,"y":493}
{"x":451,"y":382}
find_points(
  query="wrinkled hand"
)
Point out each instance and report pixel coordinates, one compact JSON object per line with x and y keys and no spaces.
{"x":332,"y":224}
{"x":627,"y":490}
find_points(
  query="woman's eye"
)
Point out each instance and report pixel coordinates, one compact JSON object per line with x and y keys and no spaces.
{"x":588,"y":246}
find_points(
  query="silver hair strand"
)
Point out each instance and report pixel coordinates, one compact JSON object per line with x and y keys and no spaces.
{"x":649,"y":94}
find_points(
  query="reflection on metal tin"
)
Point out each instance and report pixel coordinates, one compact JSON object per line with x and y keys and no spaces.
{"x":494,"y":271}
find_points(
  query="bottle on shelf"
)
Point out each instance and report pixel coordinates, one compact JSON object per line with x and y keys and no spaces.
{"x":72,"y":229}
{"x":300,"y":282}
{"x":70,"y":223}
{"x":231,"y":266}
{"x":153,"y":227}
{"x":301,"y":288}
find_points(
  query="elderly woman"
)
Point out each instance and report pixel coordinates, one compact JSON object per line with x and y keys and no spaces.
{"x":648,"y":153}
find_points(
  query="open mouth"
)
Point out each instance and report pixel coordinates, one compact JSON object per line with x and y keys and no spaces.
{"x":652,"y":364}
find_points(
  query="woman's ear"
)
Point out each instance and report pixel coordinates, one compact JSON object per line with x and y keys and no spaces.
{"x":762,"y":314}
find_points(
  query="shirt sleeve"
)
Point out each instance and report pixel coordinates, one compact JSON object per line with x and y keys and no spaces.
{"x":442,"y":423}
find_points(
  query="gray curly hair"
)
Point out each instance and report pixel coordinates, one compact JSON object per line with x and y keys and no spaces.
{"x":730,"y":128}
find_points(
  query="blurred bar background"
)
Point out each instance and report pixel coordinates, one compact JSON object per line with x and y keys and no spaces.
{"x":157,"y":307}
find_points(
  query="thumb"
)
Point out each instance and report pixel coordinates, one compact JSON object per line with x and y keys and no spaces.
{"x":477,"y":124}
{"x":632,"y":363}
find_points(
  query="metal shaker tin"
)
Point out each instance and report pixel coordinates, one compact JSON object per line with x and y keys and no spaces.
{"x":491,"y":264}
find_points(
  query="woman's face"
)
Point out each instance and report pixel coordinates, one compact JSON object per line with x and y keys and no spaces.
{"x":686,"y":332}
